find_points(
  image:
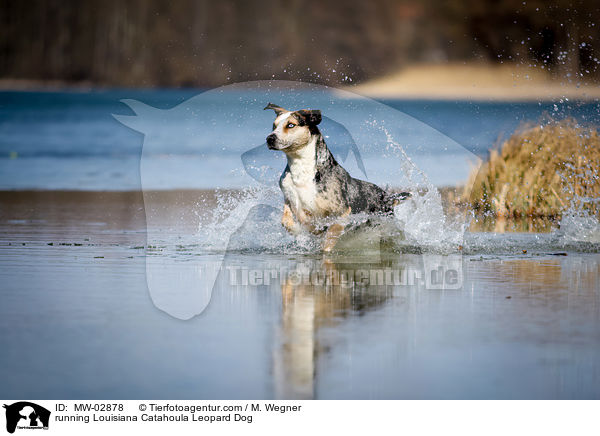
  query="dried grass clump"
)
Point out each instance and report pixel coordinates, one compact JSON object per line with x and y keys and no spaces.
{"x":540,"y":171}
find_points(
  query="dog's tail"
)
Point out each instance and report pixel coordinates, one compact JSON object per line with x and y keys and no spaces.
{"x":395,"y":198}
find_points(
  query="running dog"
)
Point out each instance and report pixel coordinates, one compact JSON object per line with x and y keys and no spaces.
{"x":314,"y":185}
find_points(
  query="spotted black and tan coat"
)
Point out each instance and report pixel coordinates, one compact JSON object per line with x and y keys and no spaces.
{"x":314,"y":184}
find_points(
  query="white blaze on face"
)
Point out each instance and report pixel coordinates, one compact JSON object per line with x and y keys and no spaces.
{"x":279,"y":121}
{"x":289,"y":134}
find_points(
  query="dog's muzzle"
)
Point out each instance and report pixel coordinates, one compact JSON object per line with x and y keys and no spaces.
{"x":271,"y":141}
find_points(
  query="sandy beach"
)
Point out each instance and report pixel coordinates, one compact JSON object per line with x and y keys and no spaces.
{"x":476,"y":82}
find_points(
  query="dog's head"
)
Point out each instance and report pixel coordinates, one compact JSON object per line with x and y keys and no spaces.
{"x":292,"y":130}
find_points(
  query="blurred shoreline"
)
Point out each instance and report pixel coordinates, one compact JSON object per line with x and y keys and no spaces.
{"x":472,"y":81}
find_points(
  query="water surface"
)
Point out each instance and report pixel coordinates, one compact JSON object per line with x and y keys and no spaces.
{"x":71,"y":141}
{"x":77,"y":319}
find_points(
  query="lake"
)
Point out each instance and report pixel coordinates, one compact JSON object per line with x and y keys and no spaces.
{"x":154,"y":265}
{"x":71,"y":141}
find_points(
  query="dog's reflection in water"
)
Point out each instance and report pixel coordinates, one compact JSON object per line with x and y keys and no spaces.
{"x":319,"y":293}
{"x":315,"y":292}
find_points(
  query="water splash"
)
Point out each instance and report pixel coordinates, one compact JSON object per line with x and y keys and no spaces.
{"x":251,"y":220}
{"x":579,"y":222}
{"x":422,"y":217}
{"x":579,"y":227}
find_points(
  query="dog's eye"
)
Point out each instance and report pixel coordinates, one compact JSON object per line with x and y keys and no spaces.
{"x":291,"y":125}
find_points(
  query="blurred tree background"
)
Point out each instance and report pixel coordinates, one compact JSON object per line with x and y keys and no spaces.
{"x":148,"y":43}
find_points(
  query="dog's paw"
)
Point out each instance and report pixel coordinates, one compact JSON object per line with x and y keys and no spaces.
{"x":328,"y":246}
{"x":400,"y":197}
{"x":287,"y":220}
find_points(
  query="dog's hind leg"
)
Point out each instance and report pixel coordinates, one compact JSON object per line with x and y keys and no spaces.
{"x":335,"y":231}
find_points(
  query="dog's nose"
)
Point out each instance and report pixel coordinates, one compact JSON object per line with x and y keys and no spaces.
{"x":271,"y":140}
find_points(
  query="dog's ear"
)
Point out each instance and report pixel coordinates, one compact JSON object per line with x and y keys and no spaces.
{"x":311,"y":117}
{"x":278,"y":109}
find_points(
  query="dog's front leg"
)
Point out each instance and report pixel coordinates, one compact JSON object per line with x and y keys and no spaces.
{"x":335,"y":231}
{"x":288,"y":221}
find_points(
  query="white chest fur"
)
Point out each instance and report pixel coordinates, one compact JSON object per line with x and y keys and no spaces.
{"x":299,"y":185}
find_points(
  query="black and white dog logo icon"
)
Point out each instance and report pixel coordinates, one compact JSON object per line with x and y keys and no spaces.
{"x":26,"y":415}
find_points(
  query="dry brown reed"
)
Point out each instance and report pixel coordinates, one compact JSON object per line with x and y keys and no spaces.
{"x":540,"y":171}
